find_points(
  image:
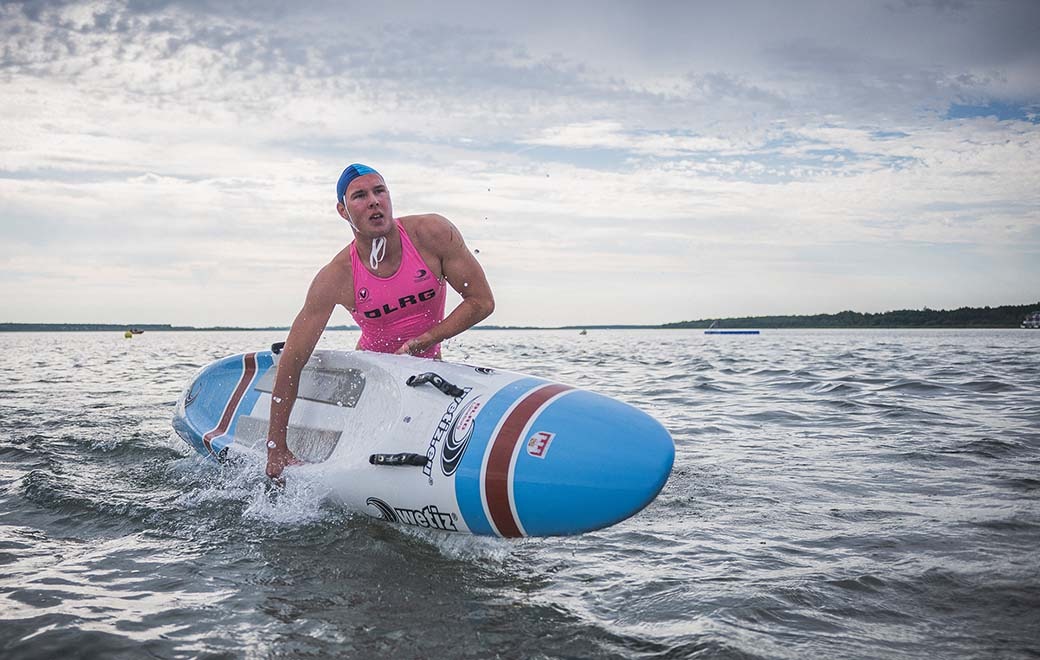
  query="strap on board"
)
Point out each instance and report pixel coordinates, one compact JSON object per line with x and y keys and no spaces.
{"x":418,"y":460}
{"x":436,"y":381}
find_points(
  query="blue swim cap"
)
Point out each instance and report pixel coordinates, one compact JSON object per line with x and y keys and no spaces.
{"x":352,"y":172}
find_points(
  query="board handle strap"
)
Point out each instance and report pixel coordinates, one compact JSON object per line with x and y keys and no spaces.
{"x":436,"y":381}
{"x":418,"y":460}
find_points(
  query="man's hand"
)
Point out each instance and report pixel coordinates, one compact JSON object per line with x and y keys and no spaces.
{"x":277,"y":460}
{"x":417,"y":345}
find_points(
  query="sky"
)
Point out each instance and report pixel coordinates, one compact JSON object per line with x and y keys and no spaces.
{"x":636,"y":162}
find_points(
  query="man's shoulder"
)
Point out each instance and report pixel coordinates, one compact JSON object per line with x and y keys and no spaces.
{"x":424,"y":222}
{"x":430,"y":230}
{"x":331,"y":283}
{"x":336,"y":270}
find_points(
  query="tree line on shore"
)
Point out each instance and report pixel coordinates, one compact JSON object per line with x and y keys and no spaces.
{"x":1005,"y":316}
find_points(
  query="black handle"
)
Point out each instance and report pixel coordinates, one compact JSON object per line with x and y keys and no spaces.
{"x":418,"y":460}
{"x":436,"y":381}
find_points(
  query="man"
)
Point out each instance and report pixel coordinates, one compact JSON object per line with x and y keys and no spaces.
{"x":391,"y":280}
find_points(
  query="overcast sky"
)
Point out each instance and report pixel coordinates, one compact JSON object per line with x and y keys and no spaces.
{"x":609,"y":162}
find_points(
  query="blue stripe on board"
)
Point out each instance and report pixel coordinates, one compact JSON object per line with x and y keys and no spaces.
{"x":606,"y":461}
{"x":212,"y":389}
{"x":467,"y":478}
{"x":264,"y":361}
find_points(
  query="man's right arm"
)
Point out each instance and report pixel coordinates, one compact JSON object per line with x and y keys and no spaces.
{"x":303,"y":337}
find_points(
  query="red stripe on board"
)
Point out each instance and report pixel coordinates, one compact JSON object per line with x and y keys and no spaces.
{"x":496,"y":477}
{"x":229,"y":410}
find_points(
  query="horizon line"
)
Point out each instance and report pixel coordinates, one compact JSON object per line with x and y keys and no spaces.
{"x":9,"y":326}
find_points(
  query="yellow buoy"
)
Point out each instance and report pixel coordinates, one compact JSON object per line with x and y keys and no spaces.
{"x":128,"y":334}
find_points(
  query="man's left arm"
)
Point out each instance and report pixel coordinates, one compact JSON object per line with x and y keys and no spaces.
{"x":464,"y":273}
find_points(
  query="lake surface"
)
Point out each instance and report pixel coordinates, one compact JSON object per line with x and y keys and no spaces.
{"x":836,"y":494}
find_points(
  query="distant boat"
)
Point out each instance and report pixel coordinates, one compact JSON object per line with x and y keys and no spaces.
{"x":1032,"y":321}
{"x":135,"y":331}
{"x":713,"y":330}
{"x":584,"y":332}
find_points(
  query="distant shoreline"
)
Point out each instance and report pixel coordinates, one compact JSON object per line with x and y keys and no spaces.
{"x":1006,"y":316}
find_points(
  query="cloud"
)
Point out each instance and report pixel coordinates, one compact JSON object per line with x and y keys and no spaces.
{"x":761,"y":144}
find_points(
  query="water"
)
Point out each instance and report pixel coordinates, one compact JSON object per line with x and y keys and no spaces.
{"x":835,"y":494}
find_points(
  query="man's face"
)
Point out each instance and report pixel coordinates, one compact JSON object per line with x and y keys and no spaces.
{"x":368,"y":205}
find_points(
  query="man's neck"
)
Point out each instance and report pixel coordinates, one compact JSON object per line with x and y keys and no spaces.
{"x":391,"y":257}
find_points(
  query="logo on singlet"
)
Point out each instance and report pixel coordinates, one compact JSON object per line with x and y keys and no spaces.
{"x":362,"y":294}
{"x":421,"y":275}
{"x":402,"y":302}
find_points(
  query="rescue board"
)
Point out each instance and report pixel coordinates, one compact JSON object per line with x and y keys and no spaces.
{"x":448,"y":446}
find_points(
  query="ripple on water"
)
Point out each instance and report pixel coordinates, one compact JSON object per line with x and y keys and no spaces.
{"x":835,"y":494}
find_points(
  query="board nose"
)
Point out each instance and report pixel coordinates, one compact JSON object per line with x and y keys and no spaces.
{"x":588,"y":461}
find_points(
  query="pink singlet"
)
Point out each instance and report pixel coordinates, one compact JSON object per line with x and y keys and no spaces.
{"x":392,"y":310}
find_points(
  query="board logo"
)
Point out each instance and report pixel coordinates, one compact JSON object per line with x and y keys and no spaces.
{"x":193,"y":393}
{"x":448,"y":427}
{"x":429,"y":516}
{"x":458,"y":436}
{"x":538,"y":444}
{"x":362,"y":294}
{"x":386,"y":512}
{"x":487,"y":371}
